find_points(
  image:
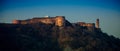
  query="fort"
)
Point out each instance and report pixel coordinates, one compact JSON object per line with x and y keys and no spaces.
{"x":57,"y":21}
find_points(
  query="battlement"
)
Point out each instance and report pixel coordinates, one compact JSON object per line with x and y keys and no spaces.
{"x":89,"y":26}
{"x":86,"y":24}
{"x":58,"y":20}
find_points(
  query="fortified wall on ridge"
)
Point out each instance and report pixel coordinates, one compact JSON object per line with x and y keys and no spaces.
{"x":57,"y":21}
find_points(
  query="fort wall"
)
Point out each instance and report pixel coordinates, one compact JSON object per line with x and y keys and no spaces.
{"x":58,"y":21}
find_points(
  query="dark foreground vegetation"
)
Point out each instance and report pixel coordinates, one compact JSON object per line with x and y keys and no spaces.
{"x":41,"y":37}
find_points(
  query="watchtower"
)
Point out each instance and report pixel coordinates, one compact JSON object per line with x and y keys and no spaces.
{"x":97,"y":23}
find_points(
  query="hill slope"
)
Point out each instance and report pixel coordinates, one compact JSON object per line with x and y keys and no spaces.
{"x":41,"y":37}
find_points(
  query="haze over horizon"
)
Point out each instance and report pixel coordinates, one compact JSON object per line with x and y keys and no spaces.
{"x":108,"y":11}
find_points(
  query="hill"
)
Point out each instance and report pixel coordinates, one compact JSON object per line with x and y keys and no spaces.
{"x":43,"y":37}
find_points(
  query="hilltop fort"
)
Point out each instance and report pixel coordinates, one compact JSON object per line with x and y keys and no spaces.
{"x":57,"y":21}
{"x":55,"y":34}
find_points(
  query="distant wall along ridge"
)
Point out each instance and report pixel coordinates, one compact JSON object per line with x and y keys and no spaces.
{"x":57,"y":21}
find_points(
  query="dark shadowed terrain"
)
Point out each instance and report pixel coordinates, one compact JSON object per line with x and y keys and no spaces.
{"x":42,"y":37}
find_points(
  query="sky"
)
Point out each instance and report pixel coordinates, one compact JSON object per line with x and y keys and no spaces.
{"x":108,"y":11}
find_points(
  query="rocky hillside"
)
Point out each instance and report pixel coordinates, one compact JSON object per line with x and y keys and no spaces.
{"x":42,"y":37}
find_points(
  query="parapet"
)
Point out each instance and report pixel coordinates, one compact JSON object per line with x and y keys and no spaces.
{"x":58,"y":20}
{"x":86,"y":24}
{"x":60,"y":16}
{"x":90,"y":24}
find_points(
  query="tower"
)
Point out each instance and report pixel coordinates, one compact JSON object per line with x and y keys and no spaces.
{"x":60,"y":21}
{"x":97,"y":23}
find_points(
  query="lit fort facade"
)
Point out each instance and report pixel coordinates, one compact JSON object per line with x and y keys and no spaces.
{"x":89,"y":24}
{"x":57,"y":21}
